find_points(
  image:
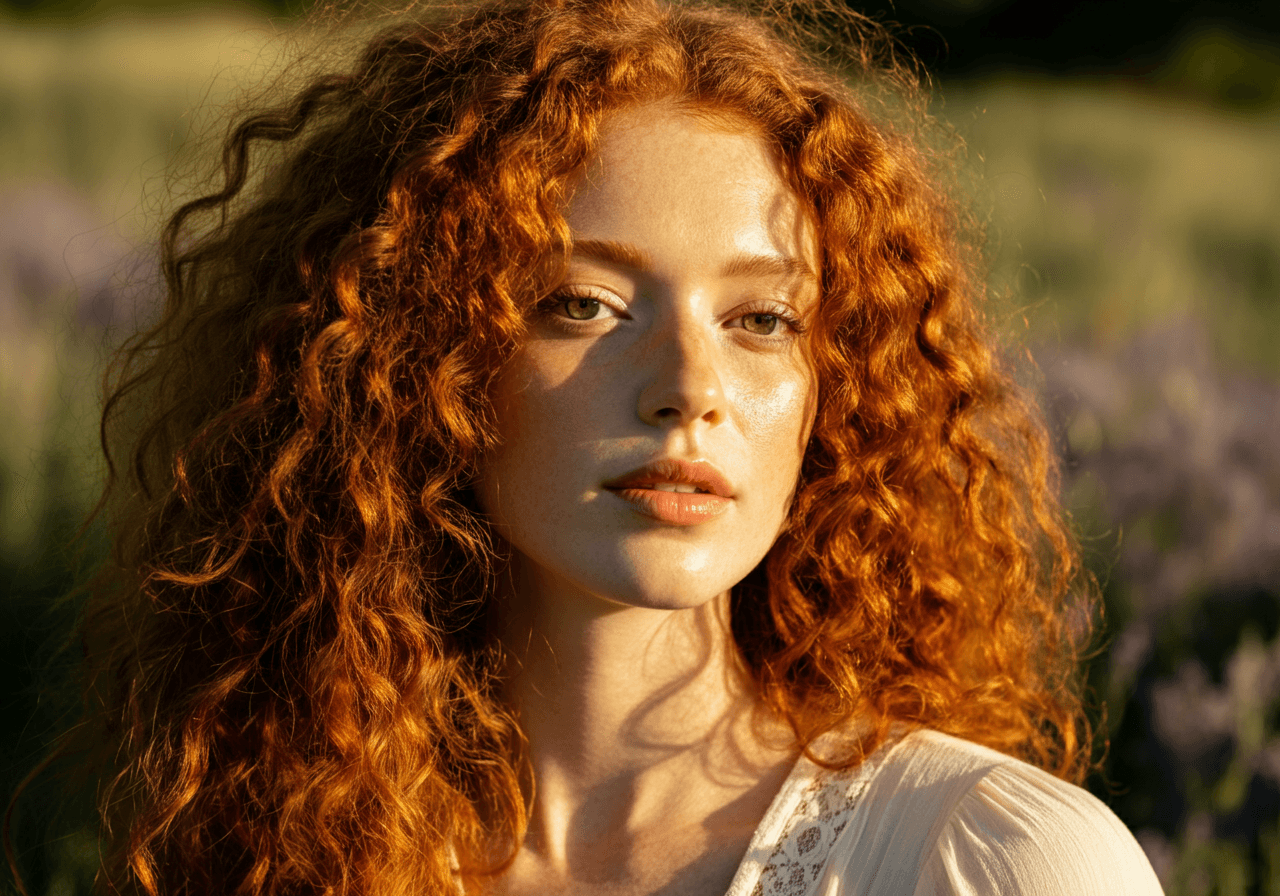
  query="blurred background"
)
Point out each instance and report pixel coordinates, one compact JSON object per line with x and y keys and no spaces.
{"x":1127,"y":162}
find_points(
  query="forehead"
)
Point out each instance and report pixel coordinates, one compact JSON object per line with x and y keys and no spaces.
{"x":684,"y":184}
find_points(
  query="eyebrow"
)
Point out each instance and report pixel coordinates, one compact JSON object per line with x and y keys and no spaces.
{"x":744,"y":265}
{"x":612,"y":252}
{"x":766,"y":266}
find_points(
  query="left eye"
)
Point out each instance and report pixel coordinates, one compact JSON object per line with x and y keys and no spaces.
{"x":581,"y":307}
{"x":761,"y":324}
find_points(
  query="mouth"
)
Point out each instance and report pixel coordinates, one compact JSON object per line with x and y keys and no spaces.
{"x":679,"y":477}
{"x":678,"y":493}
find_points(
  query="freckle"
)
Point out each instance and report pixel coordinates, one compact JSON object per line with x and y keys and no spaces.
{"x":768,"y":407}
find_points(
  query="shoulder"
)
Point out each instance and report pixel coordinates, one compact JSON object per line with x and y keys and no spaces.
{"x":1018,"y":829}
{"x":945,"y":816}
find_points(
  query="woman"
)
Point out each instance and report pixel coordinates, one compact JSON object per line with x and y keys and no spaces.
{"x":572,"y":462}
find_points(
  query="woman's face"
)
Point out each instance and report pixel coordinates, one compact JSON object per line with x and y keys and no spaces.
{"x":654,"y":420}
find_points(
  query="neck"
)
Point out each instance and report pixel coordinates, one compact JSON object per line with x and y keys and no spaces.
{"x":634,"y":716}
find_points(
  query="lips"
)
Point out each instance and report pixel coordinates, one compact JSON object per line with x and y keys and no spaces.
{"x":677,"y":492}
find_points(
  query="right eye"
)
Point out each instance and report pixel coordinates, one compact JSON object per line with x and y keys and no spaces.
{"x":582,"y":305}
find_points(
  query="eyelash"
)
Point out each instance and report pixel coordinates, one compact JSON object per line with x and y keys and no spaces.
{"x":562,"y":297}
{"x":784,"y":315}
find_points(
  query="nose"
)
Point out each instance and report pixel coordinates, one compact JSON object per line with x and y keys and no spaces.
{"x":684,"y":383}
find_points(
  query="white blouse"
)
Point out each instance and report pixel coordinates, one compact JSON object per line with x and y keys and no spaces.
{"x":932,"y":815}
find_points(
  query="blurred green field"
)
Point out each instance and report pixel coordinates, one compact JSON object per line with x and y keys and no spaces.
{"x":93,"y":121}
{"x":1134,"y":246}
{"x":1114,"y":207}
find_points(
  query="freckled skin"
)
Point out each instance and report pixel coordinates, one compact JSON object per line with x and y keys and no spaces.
{"x":667,"y":339}
{"x":665,"y":367}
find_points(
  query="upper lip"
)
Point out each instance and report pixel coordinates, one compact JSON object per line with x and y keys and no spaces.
{"x":698,"y":473}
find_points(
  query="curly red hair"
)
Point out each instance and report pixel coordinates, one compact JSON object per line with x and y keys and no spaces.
{"x":290,"y":654}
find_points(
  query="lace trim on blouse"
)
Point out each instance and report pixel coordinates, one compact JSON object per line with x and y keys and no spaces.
{"x":789,"y":850}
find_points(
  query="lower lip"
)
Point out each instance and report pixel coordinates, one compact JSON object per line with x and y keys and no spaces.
{"x":675,"y":508}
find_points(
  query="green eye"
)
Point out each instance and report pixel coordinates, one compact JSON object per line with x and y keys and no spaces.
{"x":582,"y":308}
{"x":760,"y":324}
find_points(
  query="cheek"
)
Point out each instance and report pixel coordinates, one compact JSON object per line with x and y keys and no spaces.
{"x":543,"y":402}
{"x":544,"y":419}
{"x":777,"y":414}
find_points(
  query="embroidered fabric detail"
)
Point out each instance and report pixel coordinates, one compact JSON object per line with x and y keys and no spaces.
{"x":820,"y":816}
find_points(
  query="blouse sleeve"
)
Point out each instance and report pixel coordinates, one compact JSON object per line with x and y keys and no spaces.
{"x":1022,"y":832}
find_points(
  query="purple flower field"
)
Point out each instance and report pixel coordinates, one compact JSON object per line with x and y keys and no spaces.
{"x":1174,"y":479}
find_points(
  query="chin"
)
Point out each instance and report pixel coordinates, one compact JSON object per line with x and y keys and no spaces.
{"x":671,"y":579}
{"x":655,"y":597}
{"x":668,"y":578}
